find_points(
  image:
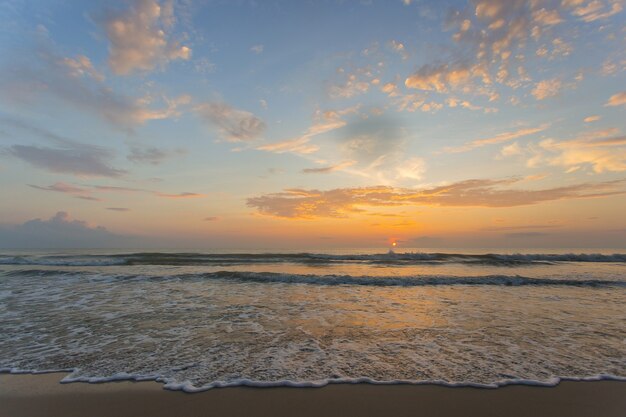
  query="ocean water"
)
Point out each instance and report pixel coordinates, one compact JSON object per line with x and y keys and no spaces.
{"x":195,"y":321}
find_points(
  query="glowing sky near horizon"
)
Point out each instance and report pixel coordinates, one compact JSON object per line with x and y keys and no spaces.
{"x":273,"y":124}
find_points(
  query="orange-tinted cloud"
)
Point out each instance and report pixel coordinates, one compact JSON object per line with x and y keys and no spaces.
{"x":307,"y":204}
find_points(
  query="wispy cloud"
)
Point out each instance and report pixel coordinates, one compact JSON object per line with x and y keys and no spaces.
{"x":180,"y":195}
{"x":328,"y":169}
{"x":499,"y":138}
{"x":324,"y":122}
{"x":76,"y":82}
{"x":87,"y":191}
{"x":233,"y":124}
{"x":307,"y":204}
{"x":67,"y":156}
{"x":77,"y":159}
{"x":257,"y":49}
{"x":521,"y":227}
{"x":601,"y":150}
{"x":62,"y":187}
{"x":151,"y":155}
{"x":299,"y":146}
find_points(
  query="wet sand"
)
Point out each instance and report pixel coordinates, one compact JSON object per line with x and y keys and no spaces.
{"x":43,"y":395}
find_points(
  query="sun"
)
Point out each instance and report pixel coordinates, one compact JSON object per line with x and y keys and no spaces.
{"x":394,"y":244}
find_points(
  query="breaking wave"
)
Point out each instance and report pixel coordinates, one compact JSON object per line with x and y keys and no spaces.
{"x":330,"y":280}
{"x":391,"y":258}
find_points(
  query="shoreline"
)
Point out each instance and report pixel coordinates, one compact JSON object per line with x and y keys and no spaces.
{"x":43,"y":395}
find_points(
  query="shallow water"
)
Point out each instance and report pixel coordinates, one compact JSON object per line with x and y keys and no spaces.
{"x":195,"y":321}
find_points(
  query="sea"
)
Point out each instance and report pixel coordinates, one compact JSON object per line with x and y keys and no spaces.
{"x":203,"y":319}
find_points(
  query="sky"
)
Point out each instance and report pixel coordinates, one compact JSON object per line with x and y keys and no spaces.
{"x":312,"y":124}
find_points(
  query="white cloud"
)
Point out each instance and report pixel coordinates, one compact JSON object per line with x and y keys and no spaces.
{"x":511,"y":150}
{"x":139,"y":38}
{"x":257,"y":49}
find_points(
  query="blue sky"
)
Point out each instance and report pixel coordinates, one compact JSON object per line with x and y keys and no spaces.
{"x":314,"y":123}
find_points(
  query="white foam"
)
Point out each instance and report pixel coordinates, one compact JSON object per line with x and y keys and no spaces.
{"x":189,"y":387}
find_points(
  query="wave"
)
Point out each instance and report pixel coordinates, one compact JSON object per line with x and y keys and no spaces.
{"x":390,"y":258}
{"x":332,"y":280}
{"x":186,"y":386}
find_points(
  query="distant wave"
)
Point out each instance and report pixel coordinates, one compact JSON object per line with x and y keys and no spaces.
{"x":332,"y":280}
{"x":391,"y":258}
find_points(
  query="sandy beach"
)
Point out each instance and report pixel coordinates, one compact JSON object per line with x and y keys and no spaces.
{"x":43,"y":395}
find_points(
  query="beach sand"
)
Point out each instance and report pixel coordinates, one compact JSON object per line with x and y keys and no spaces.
{"x":43,"y":395}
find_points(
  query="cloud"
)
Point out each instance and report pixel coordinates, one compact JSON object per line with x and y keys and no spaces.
{"x":547,"y":17}
{"x":511,"y":150}
{"x":444,"y":77}
{"x":324,"y":122}
{"x":139,"y":39}
{"x":61,"y":187}
{"x":257,"y":49}
{"x":492,"y":38}
{"x":547,"y":88}
{"x":211,"y":219}
{"x":118,"y":209}
{"x":377,"y":145}
{"x":86,"y":191}
{"x":76,"y":82}
{"x":594,"y":9}
{"x":525,"y":234}
{"x":598,"y":149}
{"x":307,"y":204}
{"x":298,"y":146}
{"x":81,"y":66}
{"x":524,"y":227}
{"x":411,"y":168}
{"x":179,"y":195}
{"x":328,"y":169}
{"x":618,"y":99}
{"x":69,"y":158}
{"x":399,"y":48}
{"x":426,"y":241}
{"x":502,"y":137}
{"x":233,"y":124}
{"x":350,"y":87}
{"x":60,"y":231}
{"x":151,"y":155}
{"x":590,"y":119}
